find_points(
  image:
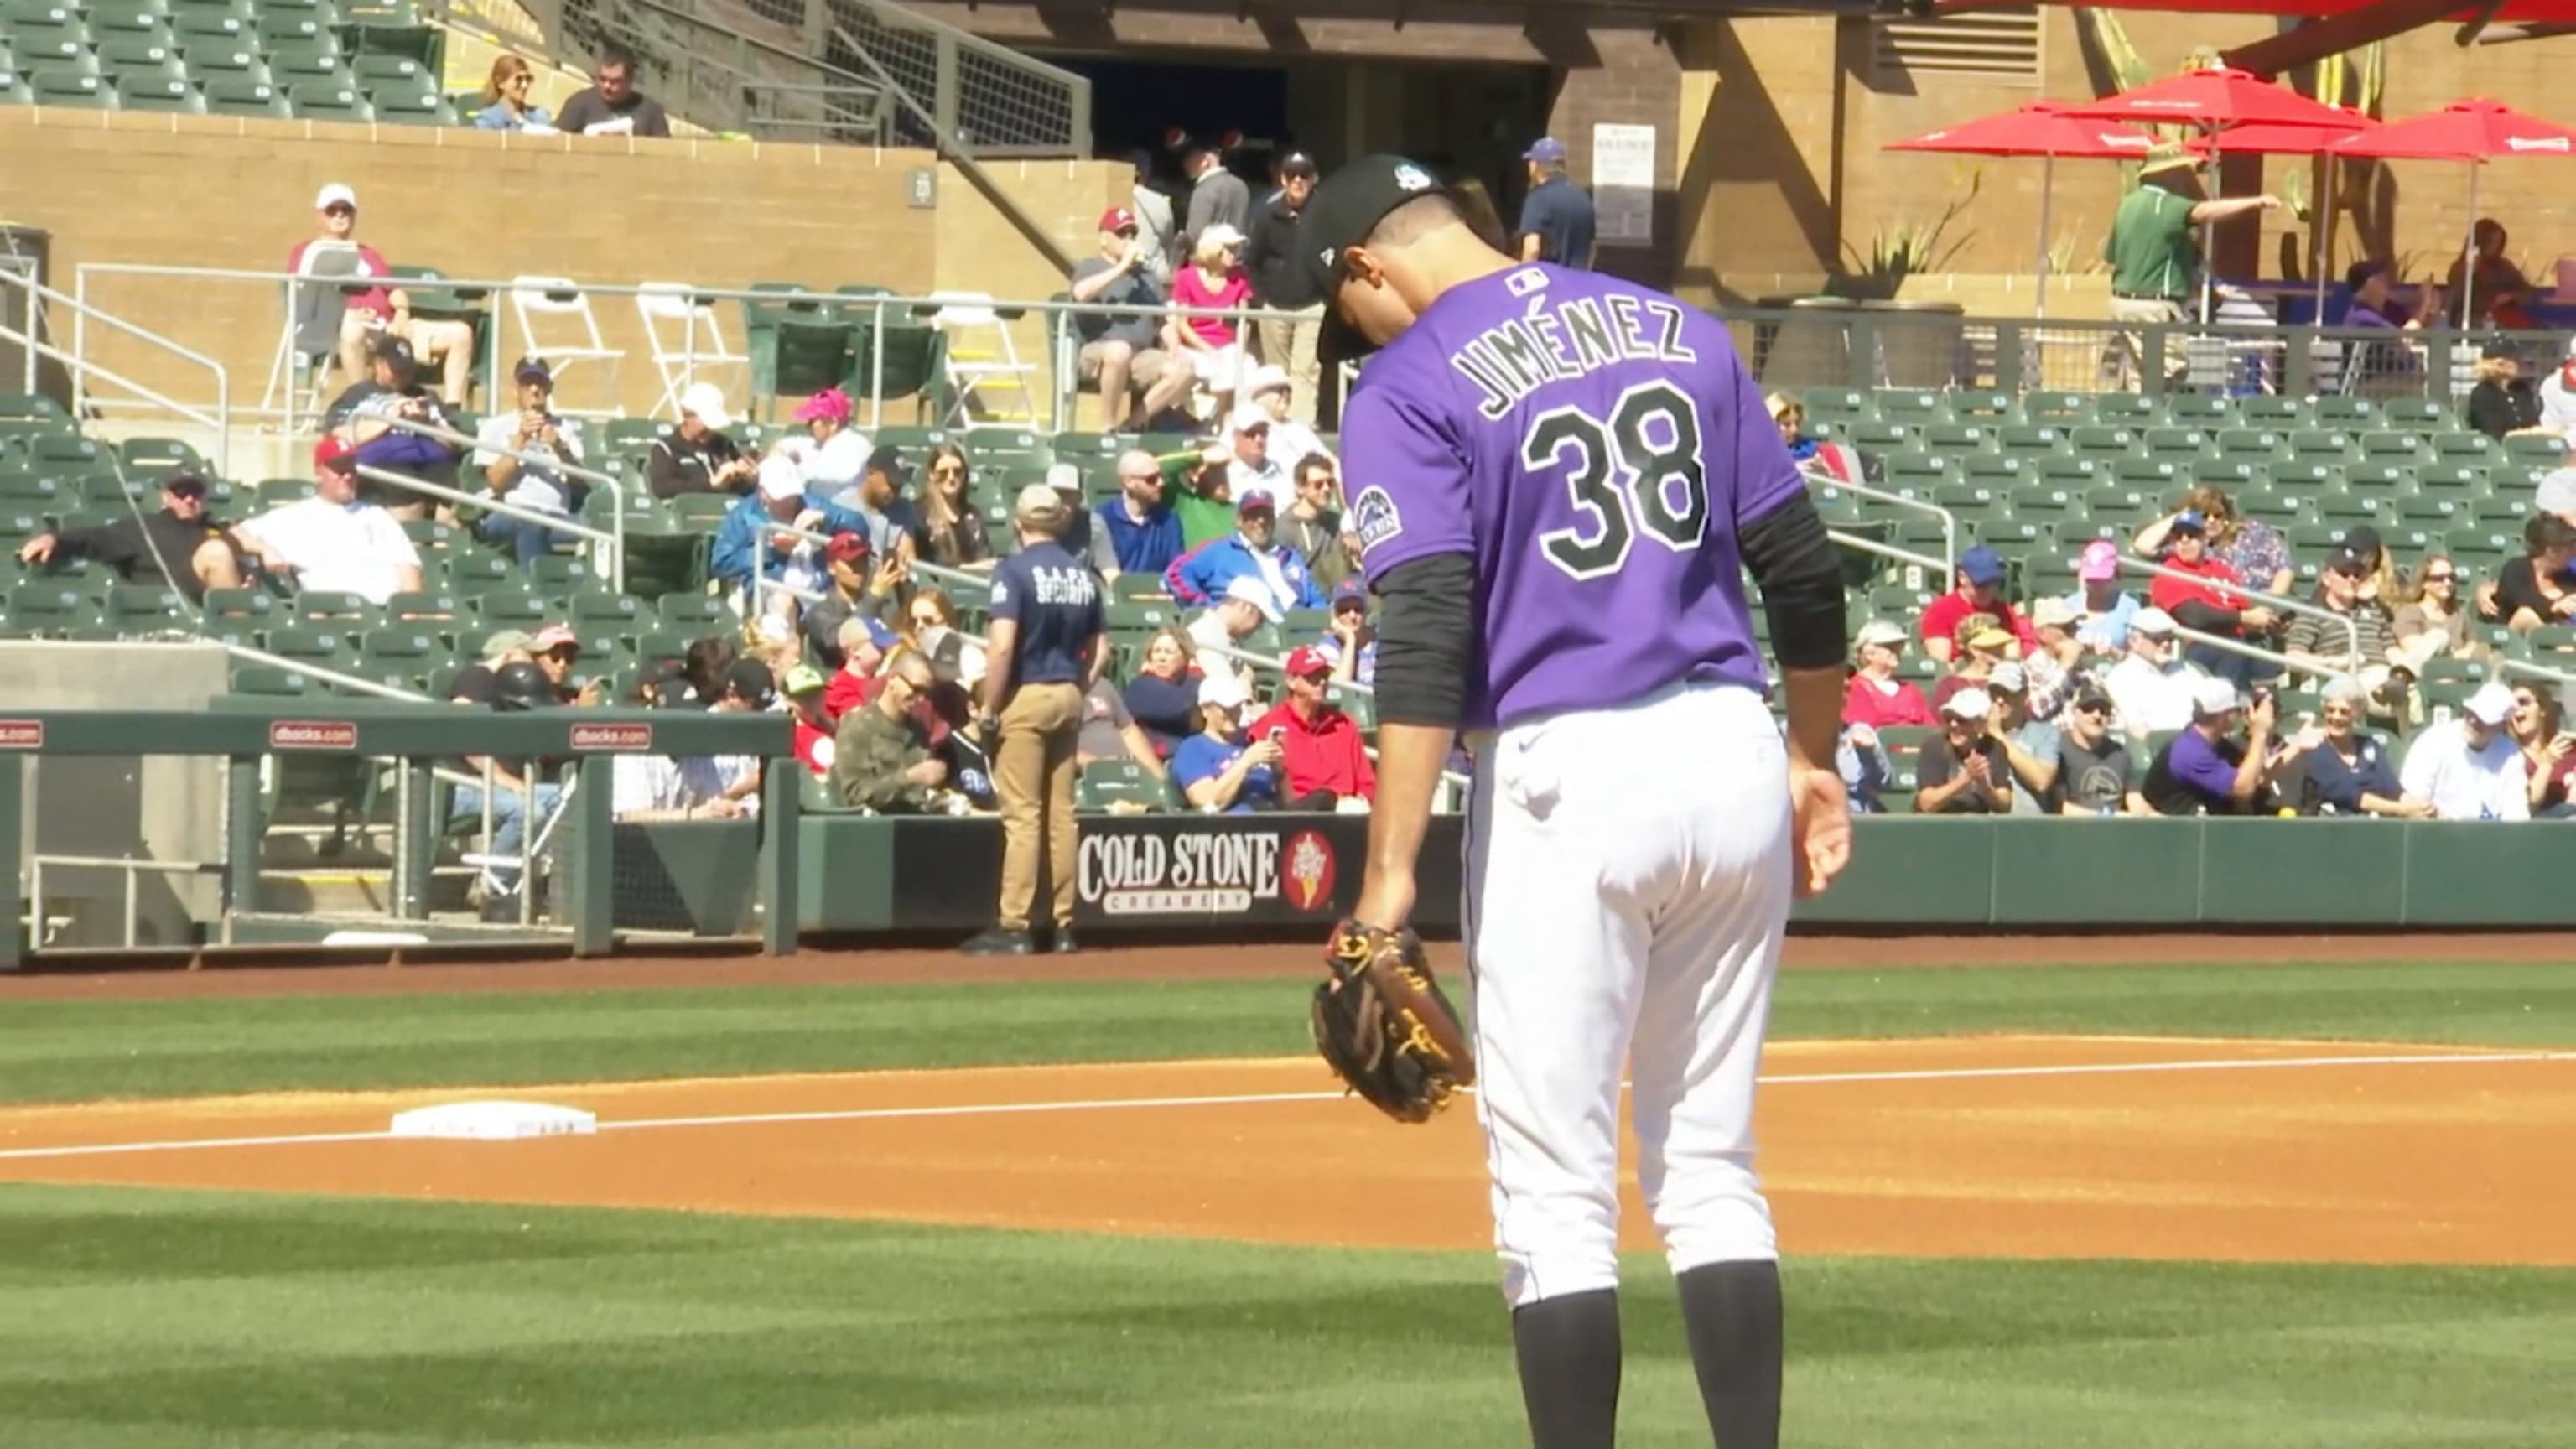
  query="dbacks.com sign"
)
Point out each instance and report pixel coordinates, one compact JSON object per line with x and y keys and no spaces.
{"x":1203,"y":872}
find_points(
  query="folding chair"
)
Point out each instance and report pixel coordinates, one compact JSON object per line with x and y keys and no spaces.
{"x":970,"y":370}
{"x":308,"y":344}
{"x":560,"y":299}
{"x":682,"y":330}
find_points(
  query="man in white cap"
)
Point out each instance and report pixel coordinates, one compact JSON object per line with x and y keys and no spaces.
{"x":695,"y":456}
{"x":2469,"y":768}
{"x":745,"y":544}
{"x":379,"y":310}
{"x":1964,"y":770}
{"x":2207,"y":769}
{"x":1291,"y":441}
{"x":1218,"y":770}
{"x":2030,"y":745}
{"x":1246,"y":605}
{"x":2153,"y":688}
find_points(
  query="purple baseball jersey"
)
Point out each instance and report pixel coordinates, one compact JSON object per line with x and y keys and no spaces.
{"x":1596,"y":447}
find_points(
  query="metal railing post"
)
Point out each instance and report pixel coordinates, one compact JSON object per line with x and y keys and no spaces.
{"x":245,"y":831}
{"x":416,"y":838}
{"x":591,"y":886}
{"x":780,"y":792}
{"x":13,"y":815}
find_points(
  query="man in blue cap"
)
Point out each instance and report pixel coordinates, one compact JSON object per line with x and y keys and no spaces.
{"x":1556,"y":217}
{"x":1980,"y":590}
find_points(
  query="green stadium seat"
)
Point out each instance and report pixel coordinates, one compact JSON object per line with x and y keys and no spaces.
{"x":471,"y":572}
{"x":2276,"y":509}
{"x":397,"y":106}
{"x":150,"y":58}
{"x":1910,"y":475}
{"x":2127,"y":409}
{"x":126,"y":17}
{"x":2348,"y":509}
{"x":1837,"y":405}
{"x":2031,"y":440}
{"x":138,"y":609}
{"x":1983,"y":406}
{"x":2179,"y":443}
{"x":1139,"y":616}
{"x":2058,"y":409}
{"x":2434,"y":510}
{"x":511,"y":609}
{"x":2260,"y":444}
{"x":1912,"y":405}
{"x":2307,"y":476}
{"x":2331,"y":445}
{"x":2078,"y":473}
{"x":2106,"y":442}
{"x":193,"y":24}
{"x":1972,"y":501}
{"x":620,"y":614}
{"x":2338,"y":410}
{"x":327,"y":100}
{"x":2206,"y":411}
{"x":107,"y":491}
{"x":13,"y":92}
{"x":1104,"y":784}
{"x":561,"y":576}
{"x":425,"y":606}
{"x":156,"y":456}
{"x":1998,"y":472}
{"x":2541,"y":454}
{"x":158,"y":93}
{"x":701,"y":512}
{"x":2417,"y":414}
{"x":65,"y":85}
{"x":1957,"y":439}
{"x":2229,"y":473}
{"x":2466,"y":449}
{"x":2270,"y":410}
{"x":2388,"y":447}
{"x":1878,"y":437}
{"x":52,"y":608}
{"x":2500,"y":511}
{"x":2378,"y":477}
{"x":33,"y":491}
{"x":692,"y":614}
{"x":268,"y":680}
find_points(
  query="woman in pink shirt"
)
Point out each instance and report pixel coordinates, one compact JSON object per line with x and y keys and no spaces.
{"x":1214,"y":279}
{"x":1876,"y":697}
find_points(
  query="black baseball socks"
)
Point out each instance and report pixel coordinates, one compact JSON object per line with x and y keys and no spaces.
{"x":1732,"y":1313}
{"x":1568,"y":1349}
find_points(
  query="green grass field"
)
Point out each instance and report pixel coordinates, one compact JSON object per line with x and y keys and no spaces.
{"x":153,"y":1320}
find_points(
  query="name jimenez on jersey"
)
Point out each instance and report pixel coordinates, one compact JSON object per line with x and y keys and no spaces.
{"x":1581,"y":335}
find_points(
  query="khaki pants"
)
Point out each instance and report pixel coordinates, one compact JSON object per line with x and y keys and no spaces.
{"x":2124,"y":356}
{"x":1033,"y":776}
{"x":1288,"y":343}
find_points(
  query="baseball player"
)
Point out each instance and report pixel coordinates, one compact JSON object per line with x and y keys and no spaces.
{"x":1557,"y":479}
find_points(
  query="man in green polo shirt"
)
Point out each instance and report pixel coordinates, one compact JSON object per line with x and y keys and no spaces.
{"x":2155,"y":258}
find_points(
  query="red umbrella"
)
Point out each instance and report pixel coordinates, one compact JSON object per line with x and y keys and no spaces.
{"x":2274,"y":139}
{"x":2041,"y":129}
{"x":2212,"y":99}
{"x":2469,"y":131}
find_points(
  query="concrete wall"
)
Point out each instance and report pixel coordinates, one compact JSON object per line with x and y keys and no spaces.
{"x":220,"y":192}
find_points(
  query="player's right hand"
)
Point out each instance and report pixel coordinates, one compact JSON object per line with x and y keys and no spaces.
{"x":1819,"y":828}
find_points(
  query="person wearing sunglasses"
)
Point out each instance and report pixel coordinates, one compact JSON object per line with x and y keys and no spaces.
{"x":2360,"y":639}
{"x":2099,"y":775}
{"x":2539,"y":730}
{"x":1350,"y":642}
{"x":952,"y":528}
{"x":2430,"y":618}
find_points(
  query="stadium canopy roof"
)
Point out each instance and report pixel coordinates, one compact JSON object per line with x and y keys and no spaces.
{"x":2339,"y":25}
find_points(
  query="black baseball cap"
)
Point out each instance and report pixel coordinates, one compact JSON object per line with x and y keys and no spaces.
{"x":393,"y":349}
{"x":750,"y":678}
{"x":888,"y":459}
{"x":184,"y":482}
{"x":532,"y":368}
{"x":1345,"y":208}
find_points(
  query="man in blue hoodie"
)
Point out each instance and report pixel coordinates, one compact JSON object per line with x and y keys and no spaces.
{"x":1252,"y":551}
{"x":780,"y":498}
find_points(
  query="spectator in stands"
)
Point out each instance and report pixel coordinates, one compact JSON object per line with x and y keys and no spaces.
{"x":2324,"y":647}
{"x":859,"y":654}
{"x":1164,"y":694}
{"x":2379,"y":581}
{"x":1044,"y":647}
{"x":1247,"y":605}
{"x":881,"y":755}
{"x":1156,"y":227}
{"x":180,"y":546}
{"x":1313,"y":526}
{"x":652,"y":788}
{"x":2556,"y":495}
{"x":2154,"y":252}
{"x":1838,"y":461}
{"x":1326,"y":762}
{"x":930,"y":629}
{"x":1218,"y":198}
{"x":1109,"y":732}
{"x":2057,"y":668}
{"x":2030,"y":744}
{"x":1292,"y":441}
{"x":2206,"y":601}
{"x":1350,"y":641}
{"x":831,"y":456}
{"x":1244,"y":460}
{"x":1082,"y":536}
{"x":369,"y":414}
{"x":1979,"y":589}
{"x":696,"y":456}
{"x":1963,"y":770}
{"x":860,"y":586}
{"x":2558,"y":400}
{"x":1982,"y":644}
{"x":2469,"y":768}
{"x":1118,"y":350}
{"x":1862,"y":761}
{"x":2208,"y":769}
{"x":2429,"y":621}
{"x":1142,"y":529}
{"x":812,"y":728}
{"x":1876,"y":696}
{"x":1254,"y":553}
{"x":522,"y":456}
{"x":332,"y":541}
{"x":2503,"y":404}
{"x":556,"y":651}
{"x":893,"y":528}
{"x":2093,"y":762}
{"x":2486,"y":279}
{"x":612,"y":106}
{"x":2539,"y":730}
{"x":1556,"y":216}
{"x":506,"y":106}
{"x":2531,"y":591}
{"x":515,"y":792}
{"x":2341,"y":769}
{"x":381,"y":311}
{"x":743,"y":540}
{"x":1213,"y":346}
{"x":2102,"y":608}
{"x":1222,"y":771}
{"x":2369,"y":360}
{"x":703,"y":667}
{"x":2154,"y":686}
{"x":2253,"y":548}
{"x":1282,"y":285}
{"x":952,"y":526}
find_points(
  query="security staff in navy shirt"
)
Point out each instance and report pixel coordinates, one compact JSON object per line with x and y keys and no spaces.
{"x":1556,"y":216}
{"x":1044,"y":650}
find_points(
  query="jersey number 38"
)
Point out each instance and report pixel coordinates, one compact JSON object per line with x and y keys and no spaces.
{"x":1637,"y":470}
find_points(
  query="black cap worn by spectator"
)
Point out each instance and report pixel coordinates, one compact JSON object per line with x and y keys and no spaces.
{"x":2363,"y":539}
{"x":1345,"y":208}
{"x":396,"y":351}
{"x":2350,"y":562}
{"x":185,"y":483}
{"x":533,"y":369}
{"x":750,"y":679}
{"x":889,"y":461}
{"x":1298,"y":163}
{"x":2091,"y":697}
{"x":523,"y":686}
{"x":664,"y":682}
{"x":2360,"y":272}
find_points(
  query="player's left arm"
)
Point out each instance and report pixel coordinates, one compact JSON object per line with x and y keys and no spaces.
{"x":1426,"y":636}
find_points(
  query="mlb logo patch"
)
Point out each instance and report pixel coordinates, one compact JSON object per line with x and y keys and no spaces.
{"x":1374,"y":518}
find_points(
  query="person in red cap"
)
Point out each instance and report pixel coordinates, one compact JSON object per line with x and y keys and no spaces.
{"x":1327,"y":763}
{"x":863,"y":587}
{"x":1118,"y":350}
{"x":331,"y":540}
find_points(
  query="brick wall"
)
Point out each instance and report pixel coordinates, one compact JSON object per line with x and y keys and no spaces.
{"x":216,"y":192}
{"x":1637,"y":81}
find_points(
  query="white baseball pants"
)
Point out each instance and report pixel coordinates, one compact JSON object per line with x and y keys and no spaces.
{"x":1628,"y":886}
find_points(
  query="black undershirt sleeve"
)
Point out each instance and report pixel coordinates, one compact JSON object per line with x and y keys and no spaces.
{"x":1426,"y":641}
{"x":1802,"y":584}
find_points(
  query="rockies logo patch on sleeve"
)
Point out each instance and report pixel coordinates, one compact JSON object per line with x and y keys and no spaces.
{"x":1374,"y":518}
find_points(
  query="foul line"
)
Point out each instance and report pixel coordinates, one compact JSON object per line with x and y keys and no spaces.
{"x":1006,"y":1109}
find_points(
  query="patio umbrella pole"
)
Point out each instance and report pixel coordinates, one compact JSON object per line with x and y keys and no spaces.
{"x":2047,"y":194}
{"x":2469,"y":257}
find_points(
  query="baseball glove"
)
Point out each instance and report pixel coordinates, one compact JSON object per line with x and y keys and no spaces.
{"x":1384,"y":1027}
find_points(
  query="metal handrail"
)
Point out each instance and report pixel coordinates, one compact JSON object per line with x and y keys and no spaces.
{"x":592,"y":476}
{"x":1949,"y":560}
{"x":2280,"y":603}
{"x":489,"y":504}
{"x":82,"y":368}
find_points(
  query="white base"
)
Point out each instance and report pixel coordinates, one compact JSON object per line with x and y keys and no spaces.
{"x":494,"y":1121}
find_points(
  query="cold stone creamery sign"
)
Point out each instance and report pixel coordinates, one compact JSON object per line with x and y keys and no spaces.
{"x":1198,"y":871}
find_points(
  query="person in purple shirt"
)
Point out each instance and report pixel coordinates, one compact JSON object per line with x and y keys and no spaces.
{"x":1558,"y":480}
{"x":2373,"y":306}
{"x":2206,"y":769}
